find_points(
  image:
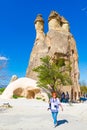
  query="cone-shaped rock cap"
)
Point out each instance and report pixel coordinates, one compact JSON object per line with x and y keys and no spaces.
{"x":39,"y":19}
{"x":63,"y":20}
{"x":53,"y":15}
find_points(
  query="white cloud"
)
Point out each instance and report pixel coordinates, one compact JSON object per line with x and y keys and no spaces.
{"x":3,"y":58}
{"x":84,"y":9}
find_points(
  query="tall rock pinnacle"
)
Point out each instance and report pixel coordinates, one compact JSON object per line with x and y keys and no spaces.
{"x":58,"y":42}
{"x":39,"y":26}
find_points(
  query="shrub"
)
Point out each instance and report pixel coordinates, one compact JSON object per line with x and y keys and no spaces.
{"x":1,"y":90}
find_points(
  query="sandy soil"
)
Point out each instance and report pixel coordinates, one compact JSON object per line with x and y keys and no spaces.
{"x":33,"y":115}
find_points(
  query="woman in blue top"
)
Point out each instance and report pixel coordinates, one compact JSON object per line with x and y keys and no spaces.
{"x":54,"y":107}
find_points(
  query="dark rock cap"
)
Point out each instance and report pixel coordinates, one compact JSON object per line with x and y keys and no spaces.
{"x":53,"y":15}
{"x":39,"y":18}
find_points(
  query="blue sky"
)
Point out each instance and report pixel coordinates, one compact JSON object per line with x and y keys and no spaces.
{"x":17,"y":31}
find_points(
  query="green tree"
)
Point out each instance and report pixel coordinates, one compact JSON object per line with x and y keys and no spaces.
{"x":83,"y":87}
{"x":53,"y":72}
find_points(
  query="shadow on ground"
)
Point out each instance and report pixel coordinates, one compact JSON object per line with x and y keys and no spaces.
{"x":60,"y":122}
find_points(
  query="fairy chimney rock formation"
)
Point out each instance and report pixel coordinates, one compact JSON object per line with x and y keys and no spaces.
{"x":54,"y":21}
{"x":58,"y":42}
{"x":65,"y":24}
{"x":39,"y":26}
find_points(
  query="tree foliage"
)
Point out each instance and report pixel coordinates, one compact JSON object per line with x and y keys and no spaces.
{"x":83,"y":87}
{"x":52,"y":73}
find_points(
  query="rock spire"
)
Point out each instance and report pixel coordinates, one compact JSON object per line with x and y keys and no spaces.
{"x":58,"y":42}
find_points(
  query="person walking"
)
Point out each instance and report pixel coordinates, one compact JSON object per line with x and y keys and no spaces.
{"x":54,"y":104}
